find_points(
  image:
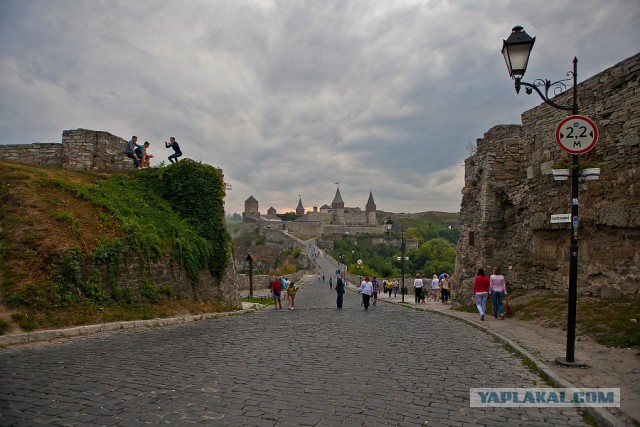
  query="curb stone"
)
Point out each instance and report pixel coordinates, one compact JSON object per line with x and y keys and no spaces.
{"x":49,"y":335}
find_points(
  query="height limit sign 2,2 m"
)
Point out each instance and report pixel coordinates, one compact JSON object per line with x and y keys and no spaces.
{"x":577,"y":134}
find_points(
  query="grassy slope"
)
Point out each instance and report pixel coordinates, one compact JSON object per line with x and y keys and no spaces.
{"x":42,"y":215}
{"x":609,"y":321}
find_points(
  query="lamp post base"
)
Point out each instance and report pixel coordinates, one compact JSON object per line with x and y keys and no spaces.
{"x":575,"y":364}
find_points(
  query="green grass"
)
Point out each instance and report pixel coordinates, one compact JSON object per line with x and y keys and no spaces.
{"x":258,"y":300}
{"x":56,"y":220}
{"x":612,"y":322}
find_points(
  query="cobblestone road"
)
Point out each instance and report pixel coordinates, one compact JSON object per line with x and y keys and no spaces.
{"x":314,"y":365}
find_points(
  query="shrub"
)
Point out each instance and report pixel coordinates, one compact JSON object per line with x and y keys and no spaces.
{"x":166,"y":290}
{"x":93,"y":289}
{"x":149,"y":292}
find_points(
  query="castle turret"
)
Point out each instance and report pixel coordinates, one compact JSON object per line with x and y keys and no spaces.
{"x":371,"y":210}
{"x":300,"y":208}
{"x":251,"y":208}
{"x":337,"y":206}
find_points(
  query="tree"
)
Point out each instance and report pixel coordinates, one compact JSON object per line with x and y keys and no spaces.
{"x":435,"y":256}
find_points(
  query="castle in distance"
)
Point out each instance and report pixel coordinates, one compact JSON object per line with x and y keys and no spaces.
{"x":326,"y":220}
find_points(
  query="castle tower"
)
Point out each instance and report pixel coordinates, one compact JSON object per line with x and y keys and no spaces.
{"x":300,"y":208}
{"x":251,"y":208}
{"x":337,"y":207}
{"x":371,"y":210}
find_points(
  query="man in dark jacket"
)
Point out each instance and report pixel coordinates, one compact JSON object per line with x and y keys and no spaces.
{"x":176,"y":148}
{"x":340,"y":291}
{"x":130,"y":151}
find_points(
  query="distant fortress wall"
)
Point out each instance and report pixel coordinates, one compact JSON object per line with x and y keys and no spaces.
{"x":80,"y":149}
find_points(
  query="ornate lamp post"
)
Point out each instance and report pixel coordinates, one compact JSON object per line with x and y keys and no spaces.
{"x":388,"y":225}
{"x":516,"y":50}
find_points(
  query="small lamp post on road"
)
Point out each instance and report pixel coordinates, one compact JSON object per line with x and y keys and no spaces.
{"x":388,"y":226}
{"x":516,"y":50}
{"x":249,"y":259}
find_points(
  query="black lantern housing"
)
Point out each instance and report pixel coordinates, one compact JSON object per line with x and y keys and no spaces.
{"x":516,"y":50}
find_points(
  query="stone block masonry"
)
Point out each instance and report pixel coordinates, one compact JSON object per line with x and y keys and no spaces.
{"x":81,"y":149}
{"x":509,"y":196}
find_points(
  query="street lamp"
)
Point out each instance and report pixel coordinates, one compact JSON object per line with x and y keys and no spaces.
{"x":516,"y":50}
{"x":388,"y":226}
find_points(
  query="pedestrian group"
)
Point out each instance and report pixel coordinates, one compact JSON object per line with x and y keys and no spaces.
{"x":138,"y":152}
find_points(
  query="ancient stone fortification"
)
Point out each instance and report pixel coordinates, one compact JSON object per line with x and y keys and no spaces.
{"x":80,"y":149}
{"x":84,"y":149}
{"x":130,"y":272}
{"x":509,"y":195}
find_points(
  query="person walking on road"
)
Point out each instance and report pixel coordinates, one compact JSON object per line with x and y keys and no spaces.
{"x":276,"y":288}
{"x":435,"y":288}
{"x":291,"y":294}
{"x":376,"y":289}
{"x":395,"y":288}
{"x":388,"y":286}
{"x":445,"y":288}
{"x":339,"y":291}
{"x":366,"y":289}
{"x":481,"y":291}
{"x":498,"y":289}
{"x":417,"y":288}
{"x":330,"y":283}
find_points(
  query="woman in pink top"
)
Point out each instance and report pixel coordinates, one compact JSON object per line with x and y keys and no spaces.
{"x":498,"y":289}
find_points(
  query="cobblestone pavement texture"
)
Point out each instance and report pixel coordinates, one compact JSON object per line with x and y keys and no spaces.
{"x":605,"y":367}
{"x":314,"y":365}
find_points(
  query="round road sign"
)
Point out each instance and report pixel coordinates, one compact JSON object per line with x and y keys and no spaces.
{"x":577,"y":134}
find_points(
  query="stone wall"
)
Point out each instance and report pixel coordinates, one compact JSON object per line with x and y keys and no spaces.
{"x":130,"y":273}
{"x":509,"y":196}
{"x":80,"y":149}
{"x":46,"y":154}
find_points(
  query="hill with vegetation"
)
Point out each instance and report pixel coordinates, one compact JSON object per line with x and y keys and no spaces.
{"x":54,"y":222}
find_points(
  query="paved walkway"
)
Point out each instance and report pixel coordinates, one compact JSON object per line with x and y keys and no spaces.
{"x":314,"y":365}
{"x":606,"y":367}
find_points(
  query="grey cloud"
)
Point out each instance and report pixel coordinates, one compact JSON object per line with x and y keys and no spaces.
{"x":288,"y":96}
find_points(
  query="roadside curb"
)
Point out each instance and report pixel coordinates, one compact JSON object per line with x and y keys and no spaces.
{"x":76,"y":331}
{"x":602,"y":416}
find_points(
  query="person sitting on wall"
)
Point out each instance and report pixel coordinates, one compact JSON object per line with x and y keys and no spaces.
{"x":130,"y":151}
{"x":143,"y":155}
{"x":176,"y":148}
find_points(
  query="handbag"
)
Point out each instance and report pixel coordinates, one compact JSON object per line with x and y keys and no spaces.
{"x":507,"y":307}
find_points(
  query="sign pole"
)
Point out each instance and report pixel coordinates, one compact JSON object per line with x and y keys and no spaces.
{"x":571,"y":134}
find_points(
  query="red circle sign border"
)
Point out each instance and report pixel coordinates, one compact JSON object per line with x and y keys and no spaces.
{"x":586,"y":119}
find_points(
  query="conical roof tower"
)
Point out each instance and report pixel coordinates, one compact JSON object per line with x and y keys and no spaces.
{"x":300,"y":208}
{"x":371,"y":210}
{"x":337,"y":208}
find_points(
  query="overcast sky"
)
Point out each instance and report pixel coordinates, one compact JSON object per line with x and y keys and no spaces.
{"x":290,"y":97}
